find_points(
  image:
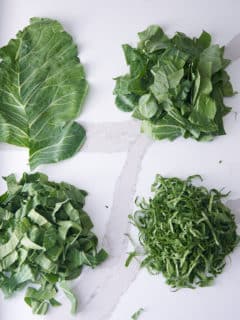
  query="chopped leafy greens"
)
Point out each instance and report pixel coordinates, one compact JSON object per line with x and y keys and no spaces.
{"x":175,"y":85}
{"x":45,"y":239}
{"x":42,"y":90}
{"x":186,"y":232}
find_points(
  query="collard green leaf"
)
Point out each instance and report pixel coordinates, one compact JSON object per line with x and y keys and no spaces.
{"x":186,"y":232}
{"x":9,"y":246}
{"x":167,"y":128}
{"x":205,"y":72}
{"x":153,"y":39}
{"x":136,"y":60}
{"x":126,"y":102}
{"x":204,"y":41}
{"x":70,"y":295}
{"x":43,"y":86}
{"x":148,"y":106}
{"x":204,"y":113}
{"x":187,"y":74}
{"x":38,"y":299}
{"x":46,"y":238}
{"x":212,"y":55}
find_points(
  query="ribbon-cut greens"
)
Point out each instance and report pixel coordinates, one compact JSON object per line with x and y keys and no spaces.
{"x":186,"y":232}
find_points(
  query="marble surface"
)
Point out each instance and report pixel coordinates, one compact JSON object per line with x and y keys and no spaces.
{"x":117,"y":163}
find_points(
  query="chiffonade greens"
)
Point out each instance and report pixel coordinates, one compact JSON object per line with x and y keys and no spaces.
{"x":45,"y":239}
{"x":42,"y":89}
{"x":186,"y":232}
{"x":175,"y":85}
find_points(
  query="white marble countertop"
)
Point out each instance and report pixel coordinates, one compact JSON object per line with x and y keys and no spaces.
{"x":117,"y":163}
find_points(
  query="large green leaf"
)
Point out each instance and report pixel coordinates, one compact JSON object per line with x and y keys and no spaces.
{"x":42,"y":89}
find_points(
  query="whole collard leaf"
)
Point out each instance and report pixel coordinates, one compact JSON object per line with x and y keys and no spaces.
{"x":176,"y":86}
{"x":42,"y":90}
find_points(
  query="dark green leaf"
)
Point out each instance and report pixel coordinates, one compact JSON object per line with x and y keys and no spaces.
{"x":204,"y":41}
{"x":153,"y":39}
{"x":212,"y":55}
{"x":204,"y":113}
{"x":166,"y":128}
{"x":148,"y":106}
{"x":126,"y":103}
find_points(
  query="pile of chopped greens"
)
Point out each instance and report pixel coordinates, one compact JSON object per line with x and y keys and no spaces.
{"x":186,"y":232}
{"x":45,"y":239}
{"x":175,"y":85}
{"x":42,"y":90}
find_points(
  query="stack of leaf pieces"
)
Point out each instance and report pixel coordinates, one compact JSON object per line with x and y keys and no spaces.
{"x":42,"y":89}
{"x":175,"y":85}
{"x":45,"y":239}
{"x":186,"y":232}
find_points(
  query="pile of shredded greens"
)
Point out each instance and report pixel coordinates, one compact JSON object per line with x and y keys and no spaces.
{"x":186,"y":232}
{"x":45,"y":239}
{"x":175,"y":85}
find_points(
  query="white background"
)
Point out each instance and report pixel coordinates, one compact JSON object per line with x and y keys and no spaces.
{"x":99,"y":28}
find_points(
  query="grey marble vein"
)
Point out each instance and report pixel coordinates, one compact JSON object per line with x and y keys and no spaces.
{"x":109,"y":137}
{"x":109,"y":281}
{"x":232,"y":49}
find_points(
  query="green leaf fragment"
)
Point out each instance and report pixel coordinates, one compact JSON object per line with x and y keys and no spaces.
{"x":153,"y":39}
{"x":9,"y":246}
{"x":137,"y":314}
{"x":70,"y":295}
{"x":166,"y":128}
{"x":126,"y":102}
{"x":148,"y":106}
